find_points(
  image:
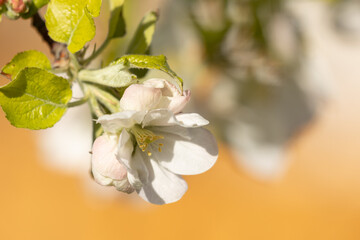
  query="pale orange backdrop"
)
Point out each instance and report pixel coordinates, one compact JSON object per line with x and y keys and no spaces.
{"x":318,"y":198}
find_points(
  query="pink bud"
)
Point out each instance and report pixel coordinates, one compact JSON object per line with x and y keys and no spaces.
{"x":18,"y":6}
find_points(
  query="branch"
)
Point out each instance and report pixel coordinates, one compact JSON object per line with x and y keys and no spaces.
{"x":58,"y":50}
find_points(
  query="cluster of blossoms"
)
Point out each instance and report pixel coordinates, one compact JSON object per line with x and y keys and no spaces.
{"x":150,"y":143}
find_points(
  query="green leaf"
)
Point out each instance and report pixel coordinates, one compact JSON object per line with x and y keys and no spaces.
{"x":31,"y":58}
{"x":141,"y":41}
{"x":117,"y":26}
{"x":149,"y":62}
{"x":82,"y":33}
{"x":94,"y":7}
{"x":36,"y":99}
{"x":112,"y":76}
{"x":71,"y":22}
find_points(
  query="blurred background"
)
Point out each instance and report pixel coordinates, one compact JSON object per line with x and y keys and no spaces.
{"x":279,"y":82}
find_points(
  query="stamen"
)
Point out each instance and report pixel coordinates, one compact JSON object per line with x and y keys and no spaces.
{"x":144,"y":137}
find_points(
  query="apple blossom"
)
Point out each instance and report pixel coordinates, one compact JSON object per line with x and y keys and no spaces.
{"x":149,"y":144}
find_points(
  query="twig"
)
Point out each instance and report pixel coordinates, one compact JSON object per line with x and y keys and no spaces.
{"x":59,"y":50}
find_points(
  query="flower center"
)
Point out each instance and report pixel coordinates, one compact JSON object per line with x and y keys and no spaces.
{"x":144,"y":137}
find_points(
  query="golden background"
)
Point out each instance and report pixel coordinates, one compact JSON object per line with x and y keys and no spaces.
{"x":318,"y":198}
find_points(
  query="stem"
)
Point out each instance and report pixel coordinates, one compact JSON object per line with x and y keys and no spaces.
{"x":39,"y":24}
{"x":95,"y":107}
{"x":105,"y":98}
{"x":97,"y":52}
{"x":75,"y":63}
{"x":78,"y":102}
{"x":59,"y":50}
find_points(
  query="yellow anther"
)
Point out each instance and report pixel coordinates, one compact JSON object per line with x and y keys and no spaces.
{"x":144,"y":137}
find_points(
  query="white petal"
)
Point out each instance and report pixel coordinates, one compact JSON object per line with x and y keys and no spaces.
{"x":137,"y":171}
{"x":165,"y":117}
{"x":161,"y":185}
{"x":125,"y":146}
{"x":139,"y":97}
{"x":126,"y":119}
{"x":177,"y":130}
{"x":186,"y":156}
{"x":159,"y":117}
{"x":104,"y":161}
{"x":191,"y":120}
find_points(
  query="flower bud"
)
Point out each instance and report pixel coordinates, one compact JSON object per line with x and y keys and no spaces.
{"x":154,"y":93}
{"x":172,"y":98}
{"x":107,"y":170}
{"x":18,"y":6}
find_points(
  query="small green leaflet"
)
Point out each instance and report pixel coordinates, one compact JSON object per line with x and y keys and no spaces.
{"x":112,"y":76}
{"x":141,"y":41}
{"x":117,"y":26}
{"x":31,"y":58}
{"x":35,"y":99}
{"x":149,"y":62}
{"x":71,"y":22}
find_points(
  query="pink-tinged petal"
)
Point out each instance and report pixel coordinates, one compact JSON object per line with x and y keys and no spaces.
{"x":117,"y":121}
{"x":138,"y":97}
{"x":155,"y":83}
{"x":177,"y":103}
{"x":172,"y":98}
{"x":160,"y":186}
{"x":104,"y":160}
{"x":170,"y":90}
{"x":194,"y":154}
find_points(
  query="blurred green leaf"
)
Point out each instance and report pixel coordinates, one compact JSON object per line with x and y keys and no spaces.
{"x":35,"y":99}
{"x":31,"y":58}
{"x":141,"y":41}
{"x":71,"y":22}
{"x":149,"y":62}
{"x":117,"y":27}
